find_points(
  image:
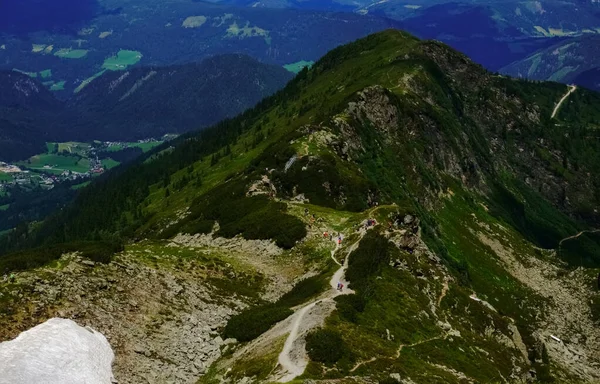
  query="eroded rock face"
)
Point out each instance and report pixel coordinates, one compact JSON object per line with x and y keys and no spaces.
{"x":56,"y":352}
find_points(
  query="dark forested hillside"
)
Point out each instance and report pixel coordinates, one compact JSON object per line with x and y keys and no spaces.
{"x":131,"y":105}
{"x":152,"y":101}
{"x":27,"y":109}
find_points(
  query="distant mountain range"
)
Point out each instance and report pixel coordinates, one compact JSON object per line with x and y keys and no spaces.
{"x":129,"y":105}
{"x":573,"y":60}
{"x":159,"y":33}
{"x":493,"y":33}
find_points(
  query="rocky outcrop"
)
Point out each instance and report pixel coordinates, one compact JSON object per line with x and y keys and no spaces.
{"x":162,"y":321}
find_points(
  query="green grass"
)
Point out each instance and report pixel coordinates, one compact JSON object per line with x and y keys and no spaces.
{"x":68,"y":53}
{"x":146,"y":146}
{"x":58,"y":163}
{"x":298,"y":66}
{"x":110,"y":163}
{"x":46,"y":74}
{"x":58,"y":86}
{"x":143,"y":146}
{"x":79,"y":186}
{"x":85,"y":82}
{"x":30,"y":74}
{"x":122,"y":60}
{"x":5,"y":176}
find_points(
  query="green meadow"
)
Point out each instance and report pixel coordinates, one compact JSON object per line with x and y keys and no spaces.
{"x":122,"y":60}
{"x":298,"y":66}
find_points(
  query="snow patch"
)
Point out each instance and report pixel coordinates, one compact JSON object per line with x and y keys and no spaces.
{"x":57,"y":352}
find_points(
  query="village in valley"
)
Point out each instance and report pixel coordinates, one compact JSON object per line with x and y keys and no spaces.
{"x":71,"y":162}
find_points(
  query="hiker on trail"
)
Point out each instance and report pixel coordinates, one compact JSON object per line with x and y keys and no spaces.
{"x":338,"y":285}
{"x":341,"y":287}
{"x":305,"y":211}
{"x":331,"y":237}
{"x":12,"y":277}
{"x":339,"y":240}
{"x":325,"y":234}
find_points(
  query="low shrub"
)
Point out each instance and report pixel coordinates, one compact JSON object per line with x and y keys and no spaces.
{"x":325,"y":346}
{"x":303,"y":290}
{"x":253,"y":322}
{"x":255,"y":218}
{"x":198,"y":226}
{"x":366,"y":261}
{"x":349,"y":306}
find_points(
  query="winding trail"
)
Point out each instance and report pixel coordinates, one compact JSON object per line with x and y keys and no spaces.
{"x":577,"y":235}
{"x":293,"y":369}
{"x":572,"y":89}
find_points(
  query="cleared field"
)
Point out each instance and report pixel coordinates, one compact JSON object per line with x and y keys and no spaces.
{"x":30,"y":74}
{"x":59,"y":86}
{"x":68,"y":53}
{"x":79,"y":186}
{"x":144,"y":146}
{"x":88,"y":80}
{"x":298,"y":66}
{"x":46,"y":74}
{"x":122,"y":60}
{"x":110,"y":163}
{"x":247,"y":31}
{"x":57,"y":163}
{"x":194,"y":22}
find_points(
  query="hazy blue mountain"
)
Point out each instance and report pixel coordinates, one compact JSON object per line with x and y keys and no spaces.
{"x":571,"y":60}
{"x":123,"y":34}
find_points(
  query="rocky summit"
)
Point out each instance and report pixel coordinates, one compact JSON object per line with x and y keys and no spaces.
{"x":396,"y":214}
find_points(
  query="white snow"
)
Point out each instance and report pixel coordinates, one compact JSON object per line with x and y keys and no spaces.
{"x":57,"y":352}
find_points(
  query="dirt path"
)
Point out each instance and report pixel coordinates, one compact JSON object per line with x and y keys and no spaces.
{"x":291,"y":368}
{"x":443,"y":294}
{"x":577,"y":235}
{"x":572,"y":89}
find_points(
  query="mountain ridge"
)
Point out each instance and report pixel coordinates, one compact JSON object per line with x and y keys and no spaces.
{"x":456,"y":196}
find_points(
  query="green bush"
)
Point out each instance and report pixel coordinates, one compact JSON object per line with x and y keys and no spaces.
{"x":349,"y":306}
{"x":198,"y":226}
{"x":303,"y":290}
{"x":325,"y":346}
{"x":252,"y":323}
{"x":366,"y":261}
{"x":255,"y":218}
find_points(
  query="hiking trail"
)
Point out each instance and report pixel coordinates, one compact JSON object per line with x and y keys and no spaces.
{"x":572,"y":89}
{"x":577,"y":235}
{"x":290,"y":368}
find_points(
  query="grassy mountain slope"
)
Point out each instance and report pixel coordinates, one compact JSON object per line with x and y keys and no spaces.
{"x":485,"y":205}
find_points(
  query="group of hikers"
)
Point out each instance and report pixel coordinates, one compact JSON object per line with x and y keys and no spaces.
{"x":329,"y":236}
{"x":340,"y":286}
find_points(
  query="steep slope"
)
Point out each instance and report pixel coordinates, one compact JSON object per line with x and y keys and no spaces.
{"x":565,"y":61}
{"x":173,"y":99}
{"x":25,"y":104}
{"x":464,"y":213}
